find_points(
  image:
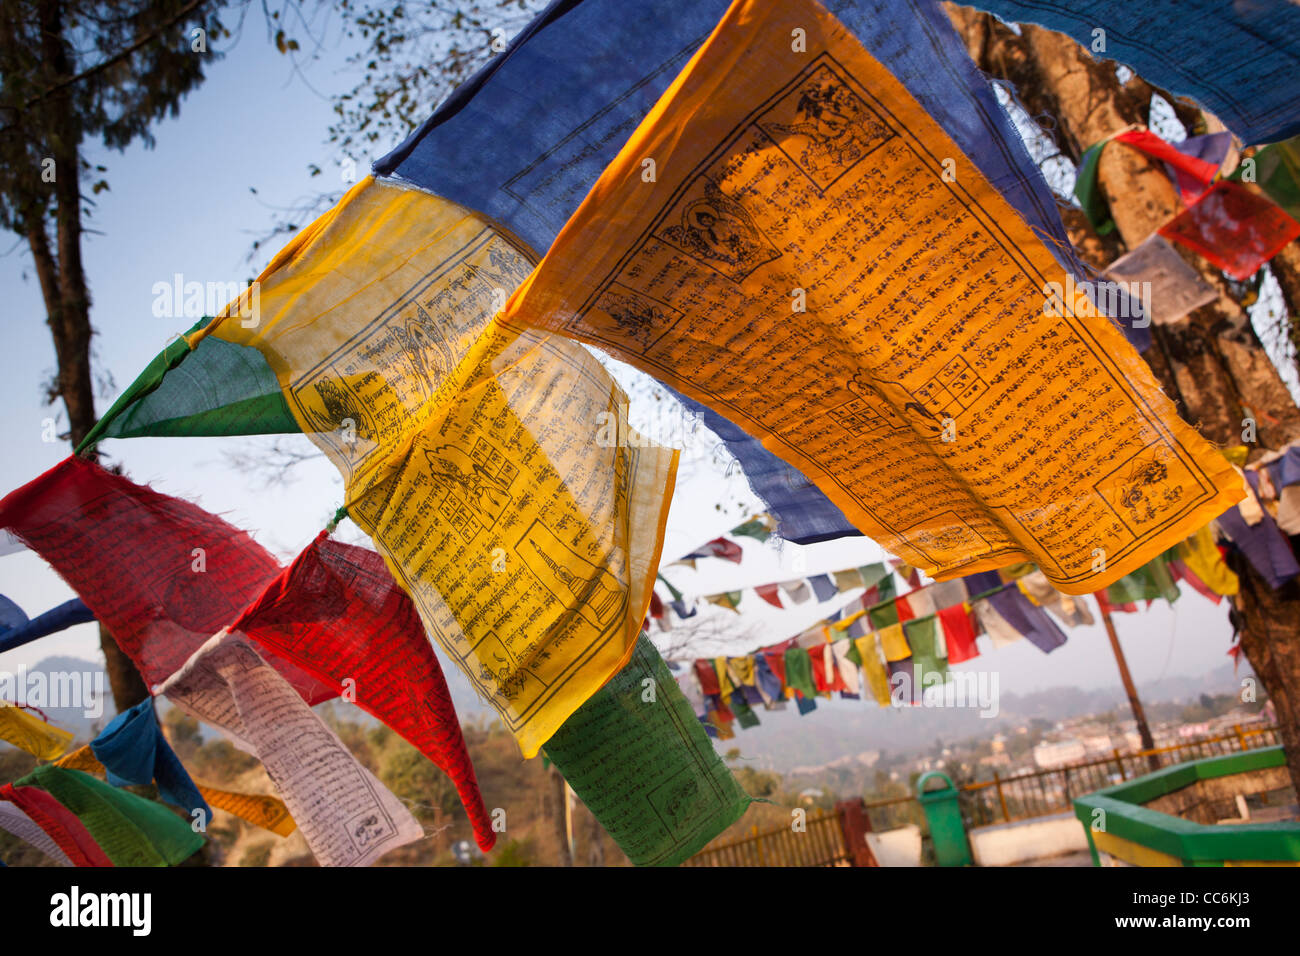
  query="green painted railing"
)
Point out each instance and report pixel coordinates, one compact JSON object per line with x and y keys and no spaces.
{"x":1122,"y":816}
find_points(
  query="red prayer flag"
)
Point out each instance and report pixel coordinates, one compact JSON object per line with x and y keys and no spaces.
{"x":337,"y":613}
{"x":725,"y":549}
{"x":1103,"y":602}
{"x":771,"y":594}
{"x":161,"y":574}
{"x":958,"y":633}
{"x":905,"y":612}
{"x":1198,"y":169}
{"x":656,"y":606}
{"x":822,"y":679}
{"x":59,"y":824}
{"x":708,"y":677}
{"x":1233,"y":228}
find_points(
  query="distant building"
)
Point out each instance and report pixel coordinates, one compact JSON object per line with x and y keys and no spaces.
{"x":1059,"y":753}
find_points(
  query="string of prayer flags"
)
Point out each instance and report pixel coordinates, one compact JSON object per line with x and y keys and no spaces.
{"x":260,"y":809}
{"x":160,"y":573}
{"x":823,"y":586}
{"x":641,"y":762}
{"x":133,"y":750}
{"x":337,"y":613}
{"x":56,"y":822}
{"x":28,"y":732}
{"x":1176,"y":288}
{"x":534,"y":566}
{"x":728,"y":599}
{"x":1235,"y":229}
{"x":634,"y":269}
{"x":347,"y":817}
{"x":578,"y":111}
{"x":1236,"y":59}
{"x":60,"y":618}
{"x":1147,"y":583}
{"x":1071,"y":610}
{"x":130,"y":830}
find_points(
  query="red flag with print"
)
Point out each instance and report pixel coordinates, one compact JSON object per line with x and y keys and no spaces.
{"x":161,"y":574}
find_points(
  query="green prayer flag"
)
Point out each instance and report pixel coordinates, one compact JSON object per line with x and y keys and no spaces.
{"x":745,"y":715}
{"x":756,"y":528}
{"x":1147,"y":583}
{"x":677,"y":595}
{"x":1089,"y":193}
{"x":799,"y":672}
{"x":883,"y":615}
{"x":638,"y":757}
{"x":1277,"y":173}
{"x":873,"y":574}
{"x":923,"y":638}
{"x":132,"y":831}
{"x":852,"y":655}
{"x":219,"y":388}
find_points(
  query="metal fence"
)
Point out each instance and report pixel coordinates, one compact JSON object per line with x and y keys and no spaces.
{"x":821,"y":844}
{"x":834,"y":837}
{"x":1038,"y":793}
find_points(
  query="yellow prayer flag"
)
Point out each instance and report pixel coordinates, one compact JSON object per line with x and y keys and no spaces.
{"x":725,"y":687}
{"x":1202,"y":557}
{"x":743,"y":670}
{"x":894,"y":643}
{"x":493,"y":469}
{"x":814,"y":258}
{"x":868,"y":647}
{"x":30,"y":733}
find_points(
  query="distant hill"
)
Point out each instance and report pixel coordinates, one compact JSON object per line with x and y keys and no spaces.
{"x":74,"y":719}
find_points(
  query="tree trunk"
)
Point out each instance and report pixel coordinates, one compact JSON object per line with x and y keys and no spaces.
{"x":1211,"y":363}
{"x":62,"y":279}
{"x":560,"y":805}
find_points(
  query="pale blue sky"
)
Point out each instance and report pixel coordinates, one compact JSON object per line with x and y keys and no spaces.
{"x":185,"y":207}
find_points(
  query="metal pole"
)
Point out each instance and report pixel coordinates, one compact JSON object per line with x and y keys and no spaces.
{"x":1148,"y":742}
